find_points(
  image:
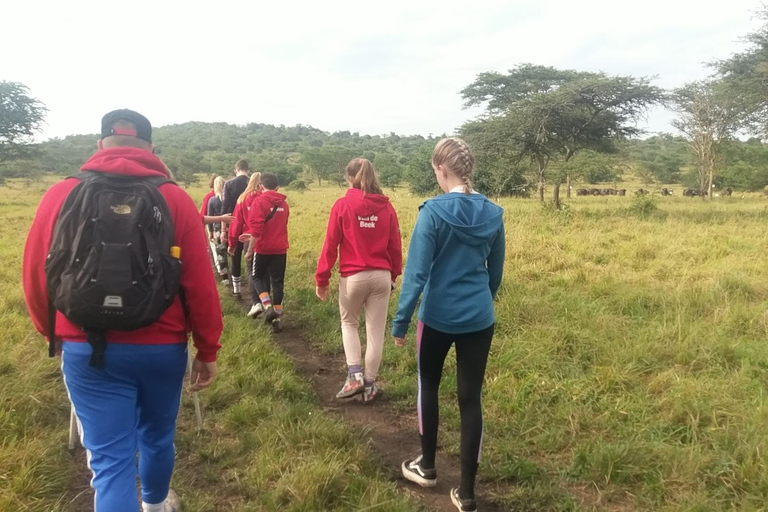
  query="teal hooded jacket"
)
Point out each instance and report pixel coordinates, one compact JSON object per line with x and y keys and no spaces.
{"x":455,"y":263}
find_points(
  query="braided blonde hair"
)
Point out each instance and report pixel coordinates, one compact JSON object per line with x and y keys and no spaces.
{"x":454,"y":154}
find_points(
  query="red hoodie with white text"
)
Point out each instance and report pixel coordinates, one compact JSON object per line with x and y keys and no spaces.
{"x":240,"y":214}
{"x":364,"y":232}
{"x":272,"y":234}
{"x":203,"y":316}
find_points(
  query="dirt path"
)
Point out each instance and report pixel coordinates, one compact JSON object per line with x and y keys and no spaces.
{"x":393,"y":435}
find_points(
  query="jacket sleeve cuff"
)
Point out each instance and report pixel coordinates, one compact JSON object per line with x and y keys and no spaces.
{"x":399,"y":330}
{"x":206,"y":355}
{"x":323,"y":282}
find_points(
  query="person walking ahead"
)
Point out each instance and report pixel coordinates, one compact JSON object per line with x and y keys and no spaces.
{"x":267,"y":233}
{"x":456,"y":258}
{"x":363,"y":230}
{"x":125,"y":386}
{"x":232,"y":190}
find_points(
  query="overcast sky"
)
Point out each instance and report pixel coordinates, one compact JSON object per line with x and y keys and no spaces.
{"x":371,"y":67}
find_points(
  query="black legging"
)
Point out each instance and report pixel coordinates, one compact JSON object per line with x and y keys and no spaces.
{"x":269,"y":275}
{"x":237,"y":261}
{"x":472,"y":348}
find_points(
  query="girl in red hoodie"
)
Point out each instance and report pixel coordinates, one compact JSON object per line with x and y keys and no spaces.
{"x":242,"y":210}
{"x":363,"y":230}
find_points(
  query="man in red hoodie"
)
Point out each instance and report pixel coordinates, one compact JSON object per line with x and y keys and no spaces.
{"x":267,"y":229}
{"x":131,"y":404}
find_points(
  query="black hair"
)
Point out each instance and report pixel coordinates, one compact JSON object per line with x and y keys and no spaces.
{"x":269,"y":181}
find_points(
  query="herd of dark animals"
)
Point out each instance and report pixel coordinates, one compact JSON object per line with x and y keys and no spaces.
{"x":689,"y":192}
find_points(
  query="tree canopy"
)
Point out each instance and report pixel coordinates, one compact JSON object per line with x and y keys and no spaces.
{"x":21,"y":116}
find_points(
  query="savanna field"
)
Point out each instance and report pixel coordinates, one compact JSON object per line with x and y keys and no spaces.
{"x":629,"y":372}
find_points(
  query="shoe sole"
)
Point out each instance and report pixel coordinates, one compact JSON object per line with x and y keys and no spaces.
{"x":370,"y":400}
{"x":417,"y":479}
{"x":355,"y":393}
{"x":457,"y":504}
{"x":254,"y":316}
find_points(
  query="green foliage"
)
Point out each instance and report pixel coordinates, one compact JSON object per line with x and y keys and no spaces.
{"x":661,"y":156}
{"x":297,"y":185}
{"x":708,"y":115}
{"x":328,"y":162}
{"x":419,"y":172}
{"x":745,"y":75}
{"x":498,"y":167}
{"x":592,"y":166}
{"x":545,"y":114}
{"x":643,"y":205}
{"x":20,"y":117}
{"x":288,"y":152}
{"x":745,"y":166}
{"x":390,"y":169}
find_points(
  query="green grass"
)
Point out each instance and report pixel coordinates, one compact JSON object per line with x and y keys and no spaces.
{"x":267,"y":444}
{"x":629,"y":371}
{"x":630,"y":357}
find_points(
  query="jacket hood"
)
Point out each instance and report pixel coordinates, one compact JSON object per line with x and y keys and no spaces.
{"x":365,"y":205}
{"x":473,"y":218}
{"x":273,"y":197}
{"x":126,"y":161}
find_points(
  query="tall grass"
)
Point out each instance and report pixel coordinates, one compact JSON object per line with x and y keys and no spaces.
{"x":628,"y":372}
{"x":629,"y":365}
{"x":266,"y":446}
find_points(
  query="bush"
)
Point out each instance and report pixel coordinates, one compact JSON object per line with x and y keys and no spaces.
{"x":644,"y":206}
{"x":297,"y":185}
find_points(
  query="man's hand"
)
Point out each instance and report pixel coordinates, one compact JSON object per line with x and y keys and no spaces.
{"x":231,"y":250}
{"x":245,"y":237}
{"x":202,"y":374}
{"x":228,"y":218}
{"x":249,"y":254}
{"x":400,"y":342}
{"x":322,"y":292}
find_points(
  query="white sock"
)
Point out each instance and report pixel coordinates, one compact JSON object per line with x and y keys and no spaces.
{"x":236,"y":284}
{"x":146,"y":507}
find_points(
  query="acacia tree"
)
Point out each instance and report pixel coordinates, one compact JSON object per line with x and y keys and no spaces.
{"x":745,"y":76}
{"x":21,"y":116}
{"x":328,"y":162}
{"x":708,"y":115}
{"x":553,"y":114}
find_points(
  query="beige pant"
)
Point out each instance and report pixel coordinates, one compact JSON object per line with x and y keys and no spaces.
{"x":369,"y":289}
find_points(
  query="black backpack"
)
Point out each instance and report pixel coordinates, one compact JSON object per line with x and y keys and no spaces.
{"x":110,"y":264}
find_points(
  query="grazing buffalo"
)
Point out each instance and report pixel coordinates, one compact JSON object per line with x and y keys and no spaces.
{"x":666,"y":191}
{"x":727,"y":192}
{"x":642,"y":192}
{"x":689,"y":192}
{"x":601,"y":192}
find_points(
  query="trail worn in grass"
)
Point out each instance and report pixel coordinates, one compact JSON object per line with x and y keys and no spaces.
{"x":628,"y":371}
{"x":266,"y":446}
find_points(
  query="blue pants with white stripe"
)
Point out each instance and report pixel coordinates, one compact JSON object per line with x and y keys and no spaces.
{"x":129,"y":406}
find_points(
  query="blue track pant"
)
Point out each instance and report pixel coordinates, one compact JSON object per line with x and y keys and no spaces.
{"x":129,"y":406}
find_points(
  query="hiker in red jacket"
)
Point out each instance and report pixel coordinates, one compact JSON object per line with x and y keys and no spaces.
{"x":242,"y":209}
{"x":267,"y":234}
{"x":130,"y":405}
{"x":363,"y":230}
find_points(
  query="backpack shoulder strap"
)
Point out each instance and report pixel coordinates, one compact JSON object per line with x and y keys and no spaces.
{"x":271,"y":214}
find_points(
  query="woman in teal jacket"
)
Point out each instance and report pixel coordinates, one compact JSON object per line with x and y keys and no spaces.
{"x":455,"y":263}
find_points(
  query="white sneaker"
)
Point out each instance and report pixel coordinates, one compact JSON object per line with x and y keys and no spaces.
{"x":255,"y":311}
{"x":172,"y":503}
